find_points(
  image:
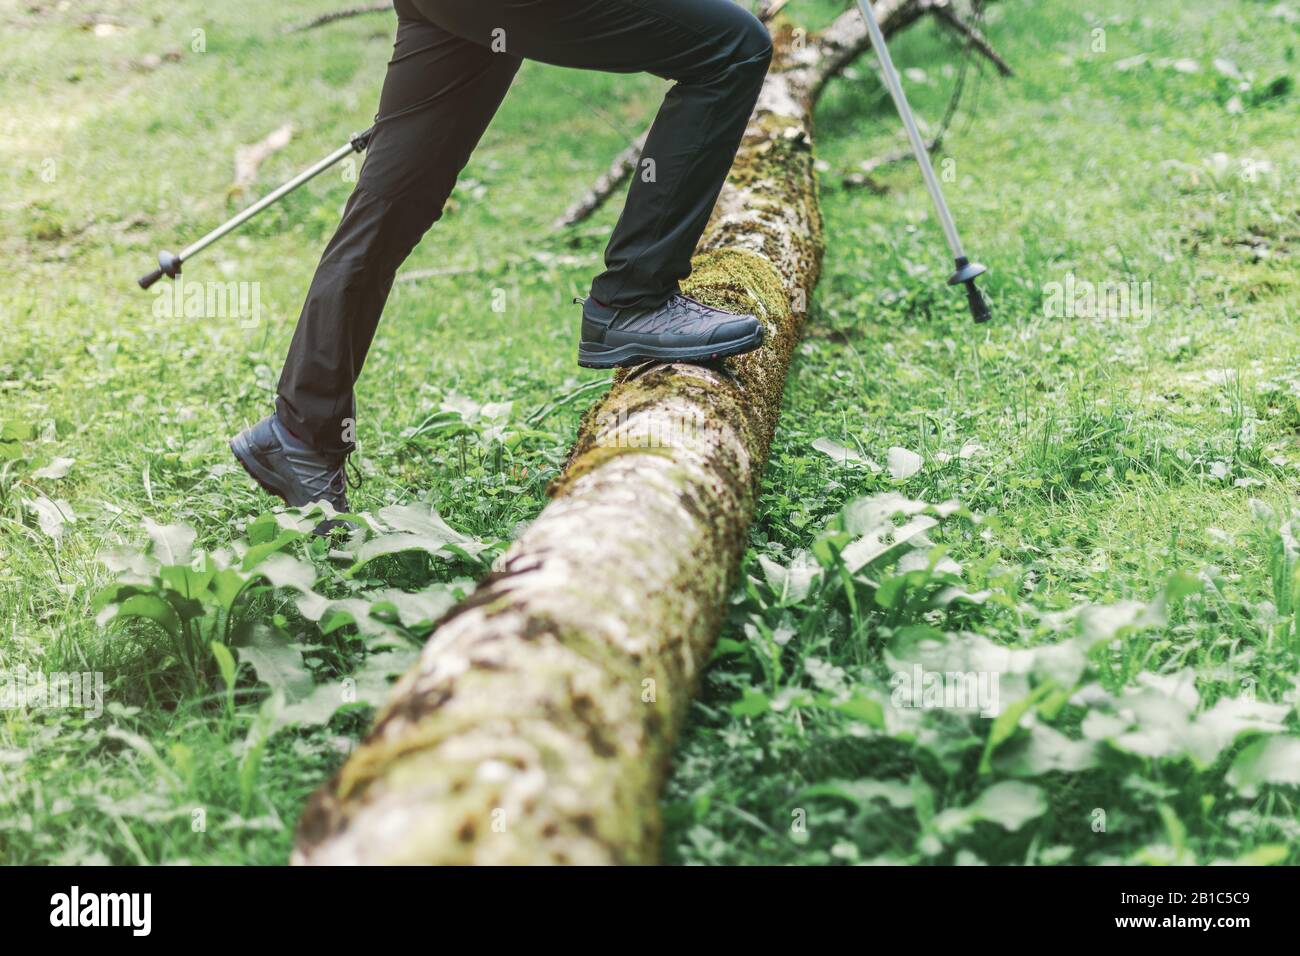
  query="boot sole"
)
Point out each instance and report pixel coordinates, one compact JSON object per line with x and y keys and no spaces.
{"x":598,"y":356}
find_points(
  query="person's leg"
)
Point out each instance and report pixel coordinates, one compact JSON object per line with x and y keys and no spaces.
{"x":439,"y":95}
{"x":716,"y":51}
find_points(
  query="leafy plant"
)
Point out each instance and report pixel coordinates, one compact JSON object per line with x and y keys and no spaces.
{"x":949,"y":770}
{"x":204,"y":603}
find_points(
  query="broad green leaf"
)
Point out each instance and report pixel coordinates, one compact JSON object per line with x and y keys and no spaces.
{"x":317,"y":707}
{"x":263,"y":529}
{"x":791,"y":583}
{"x":150,"y":607}
{"x":279,"y":666}
{"x":419,"y":519}
{"x":13,"y":430}
{"x":284,"y":571}
{"x":332,"y":615}
{"x":52,"y":515}
{"x":1047,"y":750}
{"x":861,"y":708}
{"x":227,"y":584}
{"x":183,"y":579}
{"x":753,"y":703}
{"x":1098,"y":623}
{"x":1010,"y":804}
{"x":903,"y":463}
{"x":842,"y":455}
{"x":56,"y":469}
{"x":895,"y":586}
{"x":116,"y":594}
{"x":129,"y":564}
{"x":368,"y":686}
{"x":727,"y":646}
{"x":417,"y":609}
{"x":874,"y":545}
{"x":254,"y":556}
{"x":186,"y":608}
{"x":867,"y":514}
{"x":172,"y":543}
{"x":398,"y":543}
{"x":1272,"y":760}
{"x":1214,"y":730}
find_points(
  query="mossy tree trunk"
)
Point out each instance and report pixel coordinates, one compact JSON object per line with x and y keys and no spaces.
{"x":538,"y":725}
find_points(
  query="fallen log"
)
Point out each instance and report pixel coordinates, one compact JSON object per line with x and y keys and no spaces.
{"x":538,"y":724}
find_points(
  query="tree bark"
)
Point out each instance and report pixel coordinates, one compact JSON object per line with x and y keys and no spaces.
{"x":539,"y":723}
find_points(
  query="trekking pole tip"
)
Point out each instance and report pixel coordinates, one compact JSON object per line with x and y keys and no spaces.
{"x":168,"y":265}
{"x":965,"y":275}
{"x":979,"y":306}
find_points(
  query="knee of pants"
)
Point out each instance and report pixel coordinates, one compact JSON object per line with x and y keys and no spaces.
{"x":753,"y":44}
{"x":378,"y":233}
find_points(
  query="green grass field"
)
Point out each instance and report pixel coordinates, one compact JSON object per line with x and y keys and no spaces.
{"x":1123,"y":555}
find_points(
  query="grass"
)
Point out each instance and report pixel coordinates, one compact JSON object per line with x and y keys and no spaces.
{"x":1149,"y":460}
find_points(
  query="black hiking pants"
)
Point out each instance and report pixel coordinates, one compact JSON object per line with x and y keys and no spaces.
{"x":452,"y":63}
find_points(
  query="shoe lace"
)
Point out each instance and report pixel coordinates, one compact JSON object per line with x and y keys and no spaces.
{"x":351,"y":472}
{"x":692,"y":304}
{"x":685,"y":313}
{"x":335,"y":482}
{"x":680,"y":313}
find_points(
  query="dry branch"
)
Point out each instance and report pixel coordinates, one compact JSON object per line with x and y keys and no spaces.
{"x":604,"y":186}
{"x":249,"y":158}
{"x":337,"y":15}
{"x":862,"y":176}
{"x":538,"y":725}
{"x":943,"y":11}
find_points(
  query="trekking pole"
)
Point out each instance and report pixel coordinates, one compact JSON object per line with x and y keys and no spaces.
{"x":966,"y":270}
{"x":170,"y":265}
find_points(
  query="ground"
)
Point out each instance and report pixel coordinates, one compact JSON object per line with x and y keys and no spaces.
{"x":1145,"y":454}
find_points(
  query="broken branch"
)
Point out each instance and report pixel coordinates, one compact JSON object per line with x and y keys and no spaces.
{"x":325,"y":18}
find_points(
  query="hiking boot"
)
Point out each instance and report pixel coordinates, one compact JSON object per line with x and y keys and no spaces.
{"x":680,"y":330}
{"x":288,"y":467}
